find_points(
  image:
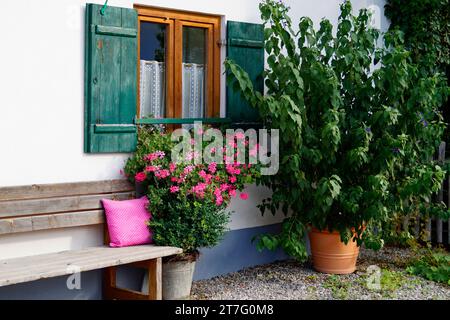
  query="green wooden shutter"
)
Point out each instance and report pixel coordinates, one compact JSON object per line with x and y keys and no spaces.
{"x":110,"y":79}
{"x":245,"y":46}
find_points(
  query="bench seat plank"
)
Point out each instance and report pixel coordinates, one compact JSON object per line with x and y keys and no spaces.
{"x":31,"y":268}
{"x":39,"y":191}
{"x":51,"y":221}
{"x":18,"y":208}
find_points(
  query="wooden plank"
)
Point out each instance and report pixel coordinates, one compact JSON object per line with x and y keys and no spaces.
{"x":448,"y":207}
{"x":405,"y":223}
{"x":178,"y":69}
{"x":44,"y":266}
{"x":417,"y":227}
{"x":116,"y":31}
{"x":251,"y":59}
{"x":439,"y":229}
{"x":110,"y":96}
{"x":52,"y":221}
{"x":236,"y":42}
{"x":52,"y":205}
{"x":217,"y":68}
{"x":428,"y":228}
{"x":182,"y":120}
{"x":153,"y":11}
{"x":89,"y":255}
{"x":114,"y":128}
{"x":37,"y":191}
{"x":154,"y":279}
{"x":109,"y":281}
{"x":124,"y":294}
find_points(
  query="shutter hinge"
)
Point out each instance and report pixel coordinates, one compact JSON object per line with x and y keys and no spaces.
{"x":102,"y":10}
{"x":222,"y":43}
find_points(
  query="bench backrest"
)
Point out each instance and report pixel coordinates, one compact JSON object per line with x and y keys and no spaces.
{"x":63,"y":205}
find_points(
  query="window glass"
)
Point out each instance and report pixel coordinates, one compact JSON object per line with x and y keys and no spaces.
{"x":152,"y":69}
{"x":194,"y":72}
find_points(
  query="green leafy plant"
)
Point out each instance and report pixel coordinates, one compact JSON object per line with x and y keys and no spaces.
{"x":426,"y":26}
{"x":187,"y":200}
{"x":433,"y":265}
{"x":358,"y":127}
{"x":339,"y":287}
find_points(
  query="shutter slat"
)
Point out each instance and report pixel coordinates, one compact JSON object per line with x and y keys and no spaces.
{"x":106,"y":128}
{"x":111,"y":73}
{"x":246,"y":43}
{"x":115,"y":31}
{"x":245,"y":46}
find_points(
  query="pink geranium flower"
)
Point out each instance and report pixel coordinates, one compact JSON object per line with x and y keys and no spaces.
{"x":140,"y":176}
{"x":219,"y":200}
{"x":172,"y":167}
{"x":160,"y":154}
{"x":217,"y":192}
{"x":161,"y":174}
{"x":233,"y":179}
{"x":174,"y":189}
{"x":232,"y":193}
{"x":212,"y":167}
{"x":151,"y":157}
{"x":151,"y":168}
{"x":188,"y":169}
{"x":229,"y":168}
{"x":243,"y":196}
{"x":199,"y":189}
{"x":192,"y":155}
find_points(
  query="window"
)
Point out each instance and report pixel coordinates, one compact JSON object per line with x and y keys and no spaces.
{"x":178,"y":64}
{"x":163,"y":63}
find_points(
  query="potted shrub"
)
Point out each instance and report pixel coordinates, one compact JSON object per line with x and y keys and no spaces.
{"x":187,"y":202}
{"x":358,"y":125}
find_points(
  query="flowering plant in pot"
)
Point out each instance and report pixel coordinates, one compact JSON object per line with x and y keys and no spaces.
{"x":187,"y":201}
{"x":358,"y":124}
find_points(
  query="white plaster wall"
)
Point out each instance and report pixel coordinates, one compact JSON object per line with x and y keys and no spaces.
{"x":41,"y":101}
{"x":41,"y":83}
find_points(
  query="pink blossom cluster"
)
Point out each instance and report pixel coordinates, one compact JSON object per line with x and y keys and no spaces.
{"x":212,"y":182}
{"x":155,"y":155}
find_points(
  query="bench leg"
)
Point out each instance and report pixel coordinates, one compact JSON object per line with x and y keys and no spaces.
{"x":154,"y":269}
{"x":109,"y":282}
{"x":154,"y":279}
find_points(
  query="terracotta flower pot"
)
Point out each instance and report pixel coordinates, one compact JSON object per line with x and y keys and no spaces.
{"x":330,"y":255}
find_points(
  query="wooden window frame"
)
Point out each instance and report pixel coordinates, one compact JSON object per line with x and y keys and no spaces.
{"x":175,"y":20}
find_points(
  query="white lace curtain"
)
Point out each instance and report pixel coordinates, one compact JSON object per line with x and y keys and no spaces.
{"x":152,"y":97}
{"x":193,"y":90}
{"x":152,"y":89}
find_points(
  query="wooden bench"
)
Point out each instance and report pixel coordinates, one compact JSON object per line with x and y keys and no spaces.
{"x":54,"y":206}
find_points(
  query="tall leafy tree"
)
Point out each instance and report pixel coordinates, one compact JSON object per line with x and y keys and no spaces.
{"x":358,"y":126}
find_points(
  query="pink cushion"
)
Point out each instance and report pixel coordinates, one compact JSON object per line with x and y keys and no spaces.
{"x":127,"y":222}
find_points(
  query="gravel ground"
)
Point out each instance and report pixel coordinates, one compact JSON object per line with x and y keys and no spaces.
{"x":289,"y":280}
